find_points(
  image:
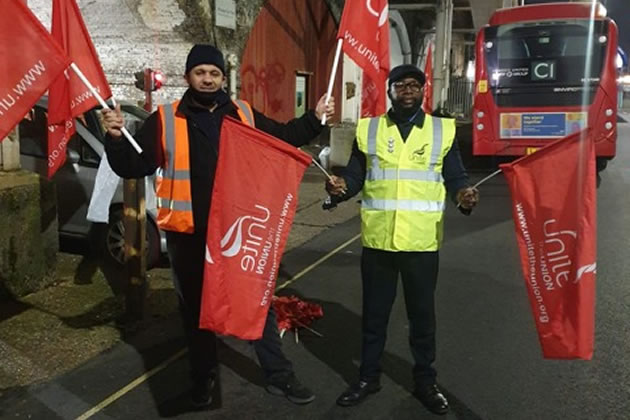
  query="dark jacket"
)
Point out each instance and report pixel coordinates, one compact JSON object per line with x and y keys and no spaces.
{"x":453,"y":172}
{"x":204,"y":132}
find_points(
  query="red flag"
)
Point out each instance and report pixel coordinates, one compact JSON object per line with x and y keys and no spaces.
{"x":30,"y":61}
{"x":554,"y":208}
{"x":364,"y":29}
{"x":427,"y":102}
{"x":68,"y":96}
{"x":253,"y":203}
{"x":372,"y":99}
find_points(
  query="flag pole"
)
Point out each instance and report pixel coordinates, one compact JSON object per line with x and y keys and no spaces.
{"x":322,"y":169}
{"x":87,"y":83}
{"x":492,"y":175}
{"x":331,"y":82}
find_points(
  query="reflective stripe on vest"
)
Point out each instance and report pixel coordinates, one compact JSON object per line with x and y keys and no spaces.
{"x":245,"y":112}
{"x":174,"y":205}
{"x":375,"y":173}
{"x":403,"y":195}
{"x":409,"y":205}
{"x":173,"y":191}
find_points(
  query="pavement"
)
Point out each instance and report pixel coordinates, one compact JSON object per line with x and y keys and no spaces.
{"x":489,"y":359}
{"x":51,"y":332}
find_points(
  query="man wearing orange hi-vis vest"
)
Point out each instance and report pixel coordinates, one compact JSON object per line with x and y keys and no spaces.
{"x":181,"y":141}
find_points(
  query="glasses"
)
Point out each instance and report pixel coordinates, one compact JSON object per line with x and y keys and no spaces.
{"x":400,"y":86}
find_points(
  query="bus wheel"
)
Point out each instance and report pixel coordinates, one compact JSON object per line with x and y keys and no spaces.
{"x":598,"y":179}
{"x":600,"y":165}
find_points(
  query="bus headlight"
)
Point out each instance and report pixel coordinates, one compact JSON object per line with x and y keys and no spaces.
{"x":480,"y":114}
{"x":608,"y":125}
{"x":609,"y":112}
{"x":480,"y":127}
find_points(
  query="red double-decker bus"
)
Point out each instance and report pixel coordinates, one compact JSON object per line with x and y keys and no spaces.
{"x":543,"y":72}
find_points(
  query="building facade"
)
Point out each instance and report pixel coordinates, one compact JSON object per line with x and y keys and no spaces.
{"x":255,"y":35}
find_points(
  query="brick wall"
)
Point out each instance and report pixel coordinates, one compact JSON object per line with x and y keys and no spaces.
{"x":132,"y":34}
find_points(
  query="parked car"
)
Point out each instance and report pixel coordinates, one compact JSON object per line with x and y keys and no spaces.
{"x":75,"y":182}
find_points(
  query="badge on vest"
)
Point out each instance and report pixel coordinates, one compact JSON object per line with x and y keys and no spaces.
{"x":418,"y":154}
{"x":390,"y":145}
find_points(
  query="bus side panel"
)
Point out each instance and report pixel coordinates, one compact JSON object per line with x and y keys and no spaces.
{"x":484,"y":127}
{"x":603,"y":115}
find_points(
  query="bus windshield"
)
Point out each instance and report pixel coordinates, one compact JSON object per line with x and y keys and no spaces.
{"x":544,"y":63}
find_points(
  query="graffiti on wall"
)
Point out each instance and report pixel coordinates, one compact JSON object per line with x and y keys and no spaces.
{"x":261,"y":87}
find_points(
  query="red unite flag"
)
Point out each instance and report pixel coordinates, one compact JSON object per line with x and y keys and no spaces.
{"x":253,"y":203}
{"x":555,"y":211}
{"x":364,"y":29}
{"x":30,"y":61}
{"x":69,"y":96}
{"x":427,"y":100}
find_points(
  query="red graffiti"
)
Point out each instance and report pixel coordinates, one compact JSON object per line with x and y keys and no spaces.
{"x":260,"y":86}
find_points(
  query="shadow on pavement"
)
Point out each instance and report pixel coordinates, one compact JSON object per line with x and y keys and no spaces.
{"x":243,"y":366}
{"x":341,"y":348}
{"x":341,"y":351}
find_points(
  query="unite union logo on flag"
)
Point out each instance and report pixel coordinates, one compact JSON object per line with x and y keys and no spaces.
{"x":556,"y":252}
{"x":244,"y":234}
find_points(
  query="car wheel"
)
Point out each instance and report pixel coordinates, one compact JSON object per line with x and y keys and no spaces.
{"x":114,"y":241}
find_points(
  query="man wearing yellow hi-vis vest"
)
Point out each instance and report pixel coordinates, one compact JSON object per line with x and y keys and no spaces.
{"x":405,"y":162}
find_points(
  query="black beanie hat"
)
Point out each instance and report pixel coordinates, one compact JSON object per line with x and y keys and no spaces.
{"x":405,"y":70}
{"x":204,"y":54}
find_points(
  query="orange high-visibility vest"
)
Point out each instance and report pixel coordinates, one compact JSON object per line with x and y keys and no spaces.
{"x":173,"y":192}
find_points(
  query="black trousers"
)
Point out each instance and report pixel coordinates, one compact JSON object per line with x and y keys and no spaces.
{"x":187,"y":253}
{"x":379,"y":272}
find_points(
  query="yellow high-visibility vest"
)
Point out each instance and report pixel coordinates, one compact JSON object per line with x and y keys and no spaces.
{"x":173,"y":192}
{"x":404,"y":194}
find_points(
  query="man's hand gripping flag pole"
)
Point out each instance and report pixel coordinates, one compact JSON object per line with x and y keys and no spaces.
{"x":98,"y":97}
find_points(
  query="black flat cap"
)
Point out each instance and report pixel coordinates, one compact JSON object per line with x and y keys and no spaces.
{"x":406,"y":70}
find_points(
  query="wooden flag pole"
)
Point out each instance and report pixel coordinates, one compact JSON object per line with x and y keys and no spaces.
{"x":134,"y":221}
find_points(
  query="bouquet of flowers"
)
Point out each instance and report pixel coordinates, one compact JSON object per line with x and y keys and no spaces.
{"x":293,"y":313}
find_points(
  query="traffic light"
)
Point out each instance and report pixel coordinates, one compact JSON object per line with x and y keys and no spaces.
{"x":149,"y":80}
{"x":157,"y":79}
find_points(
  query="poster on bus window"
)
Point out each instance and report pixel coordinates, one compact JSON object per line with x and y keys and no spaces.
{"x":541,"y":124}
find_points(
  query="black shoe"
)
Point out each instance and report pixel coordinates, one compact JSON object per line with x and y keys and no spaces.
{"x":290,"y":387}
{"x":356,"y":393}
{"x":201,"y":393}
{"x":432,"y":398}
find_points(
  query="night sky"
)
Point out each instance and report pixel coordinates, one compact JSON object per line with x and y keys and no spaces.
{"x":618,"y":11}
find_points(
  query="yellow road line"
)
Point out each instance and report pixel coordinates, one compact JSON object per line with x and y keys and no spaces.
{"x":131,"y":385}
{"x":318,"y":262}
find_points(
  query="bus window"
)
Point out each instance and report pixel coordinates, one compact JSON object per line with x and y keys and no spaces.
{"x":530,"y":62}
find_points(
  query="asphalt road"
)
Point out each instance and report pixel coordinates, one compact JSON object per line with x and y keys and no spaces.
{"x":489,"y":360}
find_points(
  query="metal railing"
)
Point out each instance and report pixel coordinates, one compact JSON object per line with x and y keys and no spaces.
{"x":460,"y":98}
